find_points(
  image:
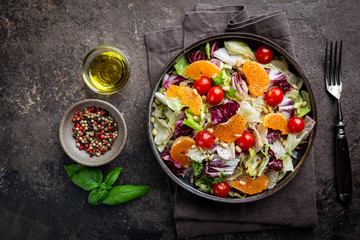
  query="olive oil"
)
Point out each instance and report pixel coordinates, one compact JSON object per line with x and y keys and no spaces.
{"x":108,"y":71}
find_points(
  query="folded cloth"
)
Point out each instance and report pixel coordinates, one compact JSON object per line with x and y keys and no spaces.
{"x":292,"y":206}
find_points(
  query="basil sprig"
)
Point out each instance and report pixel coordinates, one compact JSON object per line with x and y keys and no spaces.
{"x":89,"y":178}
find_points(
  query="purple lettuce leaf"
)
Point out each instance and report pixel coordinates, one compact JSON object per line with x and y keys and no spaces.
{"x":182,"y":129}
{"x":213,"y":47}
{"x":172,"y":79}
{"x":210,"y":168}
{"x":278,"y":80}
{"x":196,"y":55}
{"x":239,"y":83}
{"x":276,"y":164}
{"x":224,"y":112}
{"x":273,"y":135}
{"x":286,"y":107}
{"x":172,"y":164}
{"x":217,"y":62}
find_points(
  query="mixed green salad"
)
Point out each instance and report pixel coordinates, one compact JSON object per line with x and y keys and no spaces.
{"x":231,"y":118}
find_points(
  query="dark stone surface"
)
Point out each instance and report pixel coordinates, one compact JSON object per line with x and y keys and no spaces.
{"x":42,"y":45}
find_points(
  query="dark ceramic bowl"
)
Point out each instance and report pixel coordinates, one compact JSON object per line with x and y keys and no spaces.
{"x":68,"y":142}
{"x":254,"y":42}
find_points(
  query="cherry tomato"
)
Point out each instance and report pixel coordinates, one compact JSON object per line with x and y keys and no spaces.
{"x":296,"y":124}
{"x":221,"y":189}
{"x":215,"y":95}
{"x":246,"y":141}
{"x":204,"y":139}
{"x":264,"y":55}
{"x":274,"y":96}
{"x":202,"y":85}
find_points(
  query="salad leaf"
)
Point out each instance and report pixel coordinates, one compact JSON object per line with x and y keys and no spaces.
{"x":273,"y":135}
{"x":181,"y":129}
{"x":239,"y":84}
{"x":265,"y":160}
{"x":196,"y":166}
{"x":172,"y":117}
{"x":172,"y":79}
{"x":195,"y":55}
{"x":226,"y":153}
{"x":220,"y":166}
{"x":223,"y":79}
{"x":272,"y":178}
{"x":213,"y":48}
{"x":276,"y":164}
{"x":173,"y":103}
{"x":207,"y":50}
{"x":224,"y":56}
{"x":181,"y":64}
{"x":172,"y":164}
{"x":302,"y":111}
{"x":294,"y":139}
{"x":278,"y":80}
{"x":205,"y":183}
{"x":218,"y":63}
{"x":223,"y":112}
{"x":286,"y":107}
{"x":278,"y":149}
{"x":237,"y":47}
{"x":252,"y":163}
{"x":197,"y":155}
{"x":191,"y":122}
{"x":250,"y":114}
{"x":164,"y":133}
{"x":280,"y":64}
{"x":231,"y":93}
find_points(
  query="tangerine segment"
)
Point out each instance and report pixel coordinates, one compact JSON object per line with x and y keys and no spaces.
{"x":187,"y":96}
{"x":252,"y":185}
{"x":231,"y":130}
{"x":256,"y":77}
{"x":201,"y":68}
{"x":179,"y":149}
{"x":276,"y":121}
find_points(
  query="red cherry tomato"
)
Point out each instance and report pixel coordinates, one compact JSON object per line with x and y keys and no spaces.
{"x":204,"y":139}
{"x":296,"y":124}
{"x":221,"y":189}
{"x":246,"y":141}
{"x":215,"y":95}
{"x":264,"y":55}
{"x":274,"y":96}
{"x":202,"y":85}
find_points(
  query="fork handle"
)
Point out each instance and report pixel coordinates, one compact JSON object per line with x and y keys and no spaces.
{"x":343,"y":168}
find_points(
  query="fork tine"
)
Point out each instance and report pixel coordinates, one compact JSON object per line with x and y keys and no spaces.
{"x":326,"y":73}
{"x":331,"y":78}
{"x":335,"y":70}
{"x":339,"y":66}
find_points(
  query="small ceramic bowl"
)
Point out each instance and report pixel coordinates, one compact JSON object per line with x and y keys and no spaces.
{"x":68,"y":142}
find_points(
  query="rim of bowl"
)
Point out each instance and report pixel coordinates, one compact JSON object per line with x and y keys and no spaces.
{"x":289,"y":176}
{"x":100,"y":49}
{"x":111,"y":109}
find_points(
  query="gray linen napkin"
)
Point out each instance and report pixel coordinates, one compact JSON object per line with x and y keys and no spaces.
{"x":292,"y":206}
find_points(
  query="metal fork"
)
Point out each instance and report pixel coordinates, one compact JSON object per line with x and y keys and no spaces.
{"x":334,"y":86}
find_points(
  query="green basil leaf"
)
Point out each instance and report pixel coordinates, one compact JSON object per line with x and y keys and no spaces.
{"x":125,"y":193}
{"x":88,"y":178}
{"x":96,"y":196}
{"x":104,"y":185}
{"x":73,"y":168}
{"x":112,"y":176}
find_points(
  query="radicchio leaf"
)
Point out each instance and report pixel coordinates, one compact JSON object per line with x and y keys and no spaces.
{"x":224,"y":112}
{"x":276,"y":164}
{"x":273,"y":135}
{"x":239,"y":83}
{"x":196,"y":55}
{"x":214,"y":46}
{"x":172,"y":164}
{"x":217,"y":62}
{"x":181,"y":129}
{"x":278,"y":80}
{"x":172,"y":79}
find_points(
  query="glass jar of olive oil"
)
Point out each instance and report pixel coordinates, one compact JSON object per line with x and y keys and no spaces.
{"x":105,"y":69}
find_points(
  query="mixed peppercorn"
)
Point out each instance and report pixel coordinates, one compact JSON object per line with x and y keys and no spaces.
{"x":94,"y":130}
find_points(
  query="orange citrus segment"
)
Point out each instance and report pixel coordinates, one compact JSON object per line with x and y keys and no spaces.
{"x":256,"y":77}
{"x":276,"y":121}
{"x":179,"y":149}
{"x":252,"y":185}
{"x":201,"y":68}
{"x":231,"y":130}
{"x":187,"y":96}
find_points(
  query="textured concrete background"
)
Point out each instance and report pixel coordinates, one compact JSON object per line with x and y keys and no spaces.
{"x":42,"y":45}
